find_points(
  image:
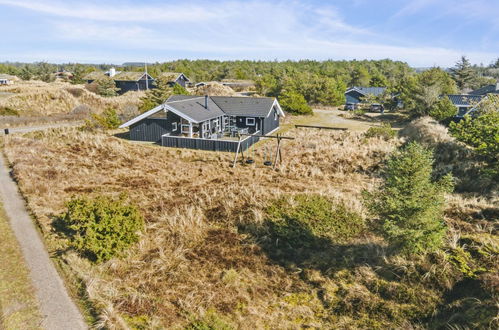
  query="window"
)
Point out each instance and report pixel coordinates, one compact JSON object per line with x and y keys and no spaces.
{"x":174,"y":127}
{"x":275,"y":115}
{"x":250,"y":121}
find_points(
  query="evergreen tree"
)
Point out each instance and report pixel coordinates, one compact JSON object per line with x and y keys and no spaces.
{"x":360,"y":77}
{"x":463,"y":73}
{"x":295,"y":103}
{"x":443,"y":109}
{"x":409,"y":204}
{"x":156,"y":96}
{"x":106,"y":87}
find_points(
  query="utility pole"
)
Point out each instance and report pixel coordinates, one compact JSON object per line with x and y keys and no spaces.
{"x":147,"y":77}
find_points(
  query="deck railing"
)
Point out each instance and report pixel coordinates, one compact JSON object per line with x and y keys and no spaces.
{"x":208,"y":144}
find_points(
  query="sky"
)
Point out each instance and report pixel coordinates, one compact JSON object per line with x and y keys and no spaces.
{"x":422,"y":33}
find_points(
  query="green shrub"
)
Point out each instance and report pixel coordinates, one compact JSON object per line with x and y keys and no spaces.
{"x":6,"y":111}
{"x":302,"y":219}
{"x":443,"y":109}
{"x":481,"y":133}
{"x":295,"y":103}
{"x":179,"y":90}
{"x":210,"y":321}
{"x":385,"y":132}
{"x":409,"y":204}
{"x":106,"y":87}
{"x":101,"y":228}
{"x":109,"y":119}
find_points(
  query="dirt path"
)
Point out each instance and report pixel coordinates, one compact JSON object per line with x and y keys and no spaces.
{"x":58,"y":310}
{"x":40,"y":127}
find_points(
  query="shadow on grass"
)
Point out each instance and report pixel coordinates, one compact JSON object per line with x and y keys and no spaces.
{"x":122,"y":135}
{"x":301,"y":248}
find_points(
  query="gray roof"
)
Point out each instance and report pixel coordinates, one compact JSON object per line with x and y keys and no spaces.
{"x":192,"y":107}
{"x":244,"y":106}
{"x":465,"y":100}
{"x":486,"y":90}
{"x":368,"y":90}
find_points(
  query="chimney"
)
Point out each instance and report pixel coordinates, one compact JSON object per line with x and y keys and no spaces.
{"x":206,"y":101}
{"x":112,"y":72}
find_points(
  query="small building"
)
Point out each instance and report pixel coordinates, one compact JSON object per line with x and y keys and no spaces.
{"x":7,"y":79}
{"x":465,"y":103}
{"x":207,"y":123}
{"x":489,"y":89}
{"x":175,"y":78}
{"x":63,"y":75}
{"x":125,"y":80}
{"x":355,"y":95}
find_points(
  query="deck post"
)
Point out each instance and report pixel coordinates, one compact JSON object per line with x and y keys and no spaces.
{"x":190,"y":129}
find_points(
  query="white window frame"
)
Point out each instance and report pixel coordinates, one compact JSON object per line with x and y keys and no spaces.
{"x":174,"y":126}
{"x":248,"y":119}
{"x":275,"y":115}
{"x":185,"y":129}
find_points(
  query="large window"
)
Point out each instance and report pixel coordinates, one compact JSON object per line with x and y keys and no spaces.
{"x":250,"y":121}
{"x":174,"y":127}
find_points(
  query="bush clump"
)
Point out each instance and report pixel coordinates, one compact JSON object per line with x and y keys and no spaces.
{"x":302,"y":220}
{"x":103,"y":227}
{"x":385,"y":132}
{"x":409,"y":203}
{"x":295,"y":103}
{"x":443,"y":109}
{"x":109,"y":119}
{"x":6,"y":111}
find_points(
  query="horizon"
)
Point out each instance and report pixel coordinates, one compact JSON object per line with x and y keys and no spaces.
{"x":421,"y":33}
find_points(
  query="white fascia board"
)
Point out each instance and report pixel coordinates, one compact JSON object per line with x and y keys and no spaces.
{"x":276,"y":103}
{"x":142,"y":116}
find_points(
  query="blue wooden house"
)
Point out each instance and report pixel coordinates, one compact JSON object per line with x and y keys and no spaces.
{"x":465,"y":103}
{"x":207,"y":123}
{"x":355,"y":95}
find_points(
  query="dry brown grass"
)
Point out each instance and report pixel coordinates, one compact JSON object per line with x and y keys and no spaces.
{"x":193,"y":202}
{"x":198,"y":254}
{"x":214,"y":89}
{"x":36,"y":98}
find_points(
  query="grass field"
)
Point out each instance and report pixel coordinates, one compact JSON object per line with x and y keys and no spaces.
{"x":207,"y":258}
{"x":18,"y":305}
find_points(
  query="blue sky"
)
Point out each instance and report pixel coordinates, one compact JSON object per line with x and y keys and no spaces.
{"x":420,"y":32}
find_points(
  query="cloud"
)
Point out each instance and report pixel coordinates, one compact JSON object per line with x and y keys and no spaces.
{"x":229,"y":29}
{"x":118,"y":12}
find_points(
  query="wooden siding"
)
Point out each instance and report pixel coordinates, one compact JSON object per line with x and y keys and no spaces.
{"x":353,"y":97}
{"x":271,"y":122}
{"x":149,"y":130}
{"x":126,"y":86}
{"x":205,"y":144}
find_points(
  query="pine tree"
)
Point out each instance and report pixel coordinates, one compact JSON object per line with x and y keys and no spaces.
{"x":463,"y":73}
{"x":156,"y":96}
{"x":106,"y":87}
{"x":410,"y":204}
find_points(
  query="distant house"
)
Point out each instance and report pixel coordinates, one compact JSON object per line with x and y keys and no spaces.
{"x":489,"y":89}
{"x":125,"y":80}
{"x":63,"y":74}
{"x":175,"y":78}
{"x":465,"y":103}
{"x":7,"y":79}
{"x":355,"y":95}
{"x":207,"y":123}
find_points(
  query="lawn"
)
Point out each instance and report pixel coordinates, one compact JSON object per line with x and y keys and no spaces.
{"x":18,"y":305}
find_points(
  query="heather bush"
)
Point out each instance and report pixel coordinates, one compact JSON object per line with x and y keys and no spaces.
{"x":385,"y":132}
{"x":302,"y":219}
{"x":101,"y":228}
